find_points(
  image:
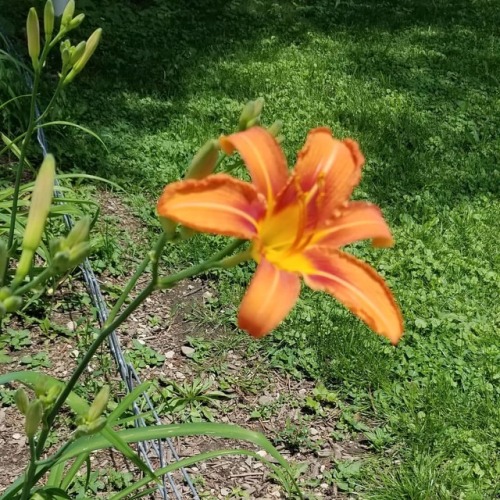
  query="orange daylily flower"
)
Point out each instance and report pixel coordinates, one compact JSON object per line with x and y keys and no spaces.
{"x":296,"y":221}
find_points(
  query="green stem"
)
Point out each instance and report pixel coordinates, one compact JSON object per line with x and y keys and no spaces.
{"x":155,"y":283}
{"x":39,"y":280}
{"x":51,"y":102}
{"x":128,"y":288}
{"x":213,"y":262}
{"x":22,"y":157}
{"x":25,"y":494}
{"x":86,"y":360}
{"x":105,"y":332}
{"x":26,"y":141}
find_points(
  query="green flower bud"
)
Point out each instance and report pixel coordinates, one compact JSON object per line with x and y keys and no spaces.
{"x":5,"y":292}
{"x":258,"y":106}
{"x":86,"y":429}
{"x":90,"y":48}
{"x":275,"y":128}
{"x":61,"y":260}
{"x":204,"y":160}
{"x":41,"y":200}
{"x":76,"y":21}
{"x":96,"y":426}
{"x":77,"y":52}
{"x":67,"y":14}
{"x":81,"y":430}
{"x":34,"y":415}
{"x":41,"y":386}
{"x":51,"y":395}
{"x":56,"y":245}
{"x":79,"y":253}
{"x":33,"y":33}
{"x":22,"y":401}
{"x":48,"y":19}
{"x":246,"y":115}
{"x":99,"y":405}
{"x":12,"y":303}
{"x":169,"y":227}
{"x":79,"y":232}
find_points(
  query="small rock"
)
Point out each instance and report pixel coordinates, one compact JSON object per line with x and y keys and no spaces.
{"x":16,"y":435}
{"x":208,"y":295}
{"x":71,"y":326}
{"x":75,"y":352}
{"x":324,"y":486}
{"x":266,"y":400}
{"x":169,"y":354}
{"x":180,"y":375}
{"x":313,"y":431}
{"x":261,"y":453}
{"x":187,"y":351}
{"x":225,"y":492}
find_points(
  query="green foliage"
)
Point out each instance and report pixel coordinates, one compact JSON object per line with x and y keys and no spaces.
{"x":40,"y":359}
{"x":15,"y":339}
{"x":142,"y":355}
{"x":189,"y":401}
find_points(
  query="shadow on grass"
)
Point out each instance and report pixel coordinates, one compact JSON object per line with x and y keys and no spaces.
{"x":404,"y":77}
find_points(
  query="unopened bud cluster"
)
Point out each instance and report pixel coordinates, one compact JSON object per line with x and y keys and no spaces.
{"x":71,"y":251}
{"x":32,"y":410}
{"x":74,"y":58}
{"x":93,"y":421}
{"x":9,"y":303}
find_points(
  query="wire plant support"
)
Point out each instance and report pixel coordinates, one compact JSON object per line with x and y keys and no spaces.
{"x":160,"y":451}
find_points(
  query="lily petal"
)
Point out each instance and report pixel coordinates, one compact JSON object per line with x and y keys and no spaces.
{"x":217,"y":204}
{"x":328,"y":170}
{"x":359,"y":221}
{"x":359,"y":288}
{"x":262,"y":156}
{"x":270,"y":297}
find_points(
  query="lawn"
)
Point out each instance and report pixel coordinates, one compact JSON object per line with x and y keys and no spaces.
{"x":418,"y":85}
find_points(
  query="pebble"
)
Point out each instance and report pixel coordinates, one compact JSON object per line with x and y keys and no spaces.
{"x":71,"y":326}
{"x":266,"y":400}
{"x":16,"y":435}
{"x":180,"y":375}
{"x":187,"y":351}
{"x":324,"y":486}
{"x":225,"y":492}
{"x":313,"y":431}
{"x":169,"y":354}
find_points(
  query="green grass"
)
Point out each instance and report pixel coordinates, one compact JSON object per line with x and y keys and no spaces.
{"x":417,"y":84}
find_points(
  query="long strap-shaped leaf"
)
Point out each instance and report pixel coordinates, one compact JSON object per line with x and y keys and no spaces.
{"x":186,"y":462}
{"x":81,"y":407}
